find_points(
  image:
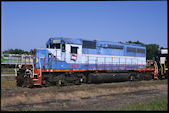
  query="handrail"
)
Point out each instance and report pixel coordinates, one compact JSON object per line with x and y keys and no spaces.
{"x":40,"y":68}
{"x":155,"y":70}
{"x":33,"y":67}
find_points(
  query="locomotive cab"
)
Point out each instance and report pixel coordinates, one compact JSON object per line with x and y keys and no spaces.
{"x":56,"y":46}
{"x":65,"y":49}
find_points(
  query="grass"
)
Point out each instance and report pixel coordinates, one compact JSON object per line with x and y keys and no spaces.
{"x":28,"y":109}
{"x":159,"y":104}
{"x":8,"y":82}
{"x":157,"y":82}
{"x":7,"y":71}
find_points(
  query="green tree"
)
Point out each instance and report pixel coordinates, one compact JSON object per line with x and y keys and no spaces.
{"x":32,"y":52}
{"x":16,"y":51}
{"x":152,"y":50}
{"x":137,"y":42}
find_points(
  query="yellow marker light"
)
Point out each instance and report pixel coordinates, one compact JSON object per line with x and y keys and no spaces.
{"x":36,"y":60}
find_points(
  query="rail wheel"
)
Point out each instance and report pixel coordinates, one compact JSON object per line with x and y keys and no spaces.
{"x":140,"y":77}
{"x":61,"y":82}
{"x":19,"y":81}
{"x":132,"y":78}
{"x":28,"y":82}
{"x":77,"y":82}
{"x":147,"y":76}
{"x":20,"y":78}
{"x":89,"y":78}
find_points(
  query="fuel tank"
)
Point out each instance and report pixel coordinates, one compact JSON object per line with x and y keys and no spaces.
{"x":108,"y":77}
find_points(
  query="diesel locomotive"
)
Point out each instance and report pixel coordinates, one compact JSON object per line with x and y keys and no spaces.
{"x":67,"y":60}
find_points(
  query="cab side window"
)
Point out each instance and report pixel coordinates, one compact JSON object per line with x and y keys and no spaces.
{"x":57,"y":46}
{"x":49,"y":55}
{"x":63,"y":47}
{"x":74,"y":50}
{"x":51,"y":46}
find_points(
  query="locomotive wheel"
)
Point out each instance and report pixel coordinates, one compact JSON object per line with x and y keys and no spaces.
{"x":77,"y":82}
{"x":28,"y":82}
{"x":20,"y":78}
{"x":25,"y":83}
{"x":19,"y":81}
{"x":84,"y":79}
{"x":61,"y":82}
{"x":89,"y":79}
{"x":140,"y":77}
{"x":46,"y":83}
{"x":132,"y":78}
{"x":147,"y":76}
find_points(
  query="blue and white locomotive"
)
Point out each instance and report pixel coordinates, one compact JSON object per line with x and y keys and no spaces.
{"x":62,"y":53}
{"x":67,"y":60}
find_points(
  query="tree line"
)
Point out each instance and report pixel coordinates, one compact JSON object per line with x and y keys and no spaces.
{"x":152,"y":50}
{"x":17,"y":51}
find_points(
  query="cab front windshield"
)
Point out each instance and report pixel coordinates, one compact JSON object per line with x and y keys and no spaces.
{"x":55,"y":46}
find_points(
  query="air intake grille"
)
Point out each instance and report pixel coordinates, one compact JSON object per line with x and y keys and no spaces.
{"x":89,"y":44}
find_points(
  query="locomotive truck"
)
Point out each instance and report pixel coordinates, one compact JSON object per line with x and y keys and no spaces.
{"x":67,"y":60}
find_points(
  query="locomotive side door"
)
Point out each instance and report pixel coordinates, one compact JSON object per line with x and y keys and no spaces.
{"x":58,"y":52}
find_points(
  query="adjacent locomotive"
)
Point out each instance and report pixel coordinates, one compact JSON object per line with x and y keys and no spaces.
{"x":66,"y":60}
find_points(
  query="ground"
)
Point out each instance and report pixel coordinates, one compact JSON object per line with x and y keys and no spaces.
{"x":85,"y":97}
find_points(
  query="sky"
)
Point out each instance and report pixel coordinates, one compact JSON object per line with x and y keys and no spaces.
{"x":28,"y":25}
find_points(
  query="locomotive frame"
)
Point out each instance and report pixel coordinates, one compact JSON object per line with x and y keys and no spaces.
{"x":66,"y":60}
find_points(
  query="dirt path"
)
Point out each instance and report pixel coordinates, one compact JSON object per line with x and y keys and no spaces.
{"x":107,"y":96}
